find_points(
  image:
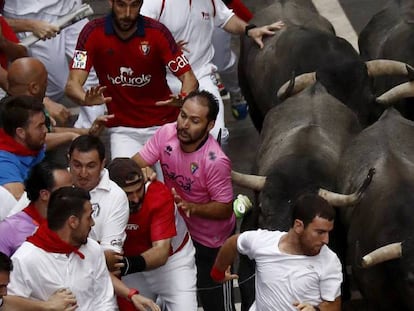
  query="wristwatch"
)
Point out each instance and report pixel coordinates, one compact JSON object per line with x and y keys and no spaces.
{"x":247,"y":28}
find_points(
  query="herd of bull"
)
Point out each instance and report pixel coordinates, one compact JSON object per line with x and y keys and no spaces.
{"x":329,"y":118}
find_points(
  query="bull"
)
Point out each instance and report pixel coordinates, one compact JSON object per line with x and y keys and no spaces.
{"x":385,"y":213}
{"x":390,"y":35}
{"x":307,"y":44}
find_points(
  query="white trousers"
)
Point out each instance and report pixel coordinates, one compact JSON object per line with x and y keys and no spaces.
{"x":174,"y":282}
{"x":225,"y":60}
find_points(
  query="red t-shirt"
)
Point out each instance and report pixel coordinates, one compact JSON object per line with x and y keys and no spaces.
{"x":9,"y":34}
{"x":133,"y":70}
{"x":154,"y":221}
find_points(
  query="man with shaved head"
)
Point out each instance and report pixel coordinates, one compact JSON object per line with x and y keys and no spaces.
{"x":28,"y":76}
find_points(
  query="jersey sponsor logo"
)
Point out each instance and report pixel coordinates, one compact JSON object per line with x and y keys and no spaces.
{"x":185,"y":183}
{"x":145,"y":48}
{"x":178,"y":63}
{"x":132,"y":227}
{"x":126,"y":78}
{"x":193,"y":167}
{"x":79,"y":59}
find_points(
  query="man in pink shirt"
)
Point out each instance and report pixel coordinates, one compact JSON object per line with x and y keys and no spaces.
{"x":199,"y":174}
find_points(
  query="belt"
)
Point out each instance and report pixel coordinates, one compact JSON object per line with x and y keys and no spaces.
{"x":183,"y":243}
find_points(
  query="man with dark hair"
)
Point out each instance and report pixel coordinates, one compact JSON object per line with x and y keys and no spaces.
{"x":44,"y":178}
{"x":158,"y":254}
{"x":194,"y":27}
{"x":295,"y":270}
{"x":199,"y":174}
{"x":60,"y":254}
{"x":130,"y":54}
{"x":21,"y":146}
{"x":109,"y":202}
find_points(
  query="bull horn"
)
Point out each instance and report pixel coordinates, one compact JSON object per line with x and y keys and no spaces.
{"x":300,"y":83}
{"x":382,"y":254}
{"x":337,"y":199}
{"x":397,"y":93}
{"x":381,"y":67}
{"x":253,"y":182}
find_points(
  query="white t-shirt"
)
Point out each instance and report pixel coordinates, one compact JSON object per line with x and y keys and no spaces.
{"x":38,"y":274}
{"x":51,"y":7}
{"x":193,"y":22}
{"x":282,"y":279}
{"x":111,"y":213}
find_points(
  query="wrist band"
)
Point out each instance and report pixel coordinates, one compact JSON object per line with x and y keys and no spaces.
{"x":132,"y":292}
{"x":133,"y":264}
{"x":247,"y":28}
{"x":183,"y":95}
{"x":217,"y":275}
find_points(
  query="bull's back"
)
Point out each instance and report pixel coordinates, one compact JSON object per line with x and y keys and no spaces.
{"x":310,"y":123}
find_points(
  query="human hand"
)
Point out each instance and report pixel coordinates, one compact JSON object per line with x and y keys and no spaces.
{"x":94,"y":96}
{"x":144,"y":304}
{"x":268,"y":30}
{"x":186,"y":207}
{"x":44,"y":30}
{"x":62,"y":300}
{"x":220,"y":277}
{"x":149,"y":173}
{"x":174,"y":101}
{"x":304,"y":306}
{"x":114,"y":261}
{"x":57,"y":111}
{"x":99,"y":124}
{"x":182,"y":44}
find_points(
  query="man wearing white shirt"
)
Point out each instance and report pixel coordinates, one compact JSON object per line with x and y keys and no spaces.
{"x":193,"y":27}
{"x":295,"y":270}
{"x":60,"y":255}
{"x":109,"y":203}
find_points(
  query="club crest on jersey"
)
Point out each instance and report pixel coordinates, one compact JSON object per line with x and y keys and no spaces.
{"x":144,"y":48}
{"x":79,"y":59}
{"x":194,"y":167}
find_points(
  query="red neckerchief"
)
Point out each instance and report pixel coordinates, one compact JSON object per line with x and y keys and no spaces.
{"x":32,"y":211}
{"x":49,"y":241}
{"x":7,"y":143}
